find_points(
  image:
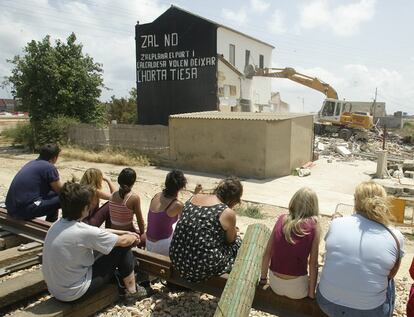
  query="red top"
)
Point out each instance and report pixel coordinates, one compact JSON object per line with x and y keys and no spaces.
{"x":292,"y":259}
{"x":410,"y":302}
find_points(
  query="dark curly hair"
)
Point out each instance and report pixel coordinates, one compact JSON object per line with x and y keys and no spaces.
{"x":229,"y":191}
{"x":126,"y":180}
{"x":174,"y":182}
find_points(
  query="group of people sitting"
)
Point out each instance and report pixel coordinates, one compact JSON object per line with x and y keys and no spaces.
{"x":201,"y":238}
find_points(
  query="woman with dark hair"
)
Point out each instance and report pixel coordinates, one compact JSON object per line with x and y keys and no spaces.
{"x":205,"y":241}
{"x":163,"y":213}
{"x":124,"y":204}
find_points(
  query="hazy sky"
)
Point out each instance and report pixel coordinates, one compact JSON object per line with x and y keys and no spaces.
{"x":355,"y":46}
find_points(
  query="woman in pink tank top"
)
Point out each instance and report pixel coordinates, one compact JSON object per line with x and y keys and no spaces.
{"x":163,"y":213}
{"x":124,"y":204}
{"x":294,"y":241}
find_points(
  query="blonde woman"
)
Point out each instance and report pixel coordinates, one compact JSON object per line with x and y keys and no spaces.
{"x":94,"y":178}
{"x":293,"y":248}
{"x":362,"y":257}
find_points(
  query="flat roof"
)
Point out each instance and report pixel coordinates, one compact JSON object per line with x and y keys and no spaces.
{"x":253,"y":116}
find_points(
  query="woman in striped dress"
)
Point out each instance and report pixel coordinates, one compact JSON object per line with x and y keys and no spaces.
{"x":124,"y":204}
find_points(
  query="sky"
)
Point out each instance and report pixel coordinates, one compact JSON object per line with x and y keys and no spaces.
{"x":356,"y":46}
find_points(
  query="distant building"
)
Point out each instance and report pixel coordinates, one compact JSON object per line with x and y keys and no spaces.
{"x":186,"y":63}
{"x":278,"y":105}
{"x":8,"y":105}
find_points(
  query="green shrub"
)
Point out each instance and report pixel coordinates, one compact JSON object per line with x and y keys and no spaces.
{"x":21,"y":134}
{"x":54,"y":130}
{"x":51,"y":130}
{"x":252,"y":211}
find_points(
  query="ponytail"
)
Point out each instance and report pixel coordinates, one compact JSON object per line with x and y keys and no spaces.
{"x":123,"y":190}
{"x":174,"y":182}
{"x":376,"y":209}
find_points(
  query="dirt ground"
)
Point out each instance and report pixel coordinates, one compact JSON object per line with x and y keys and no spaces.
{"x":147,"y":185}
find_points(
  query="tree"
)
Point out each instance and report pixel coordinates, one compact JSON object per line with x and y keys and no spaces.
{"x":123,"y":110}
{"x":56,"y":81}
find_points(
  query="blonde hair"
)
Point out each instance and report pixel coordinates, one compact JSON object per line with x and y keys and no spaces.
{"x":302,"y":206}
{"x":371,"y":201}
{"x":93,"y":177}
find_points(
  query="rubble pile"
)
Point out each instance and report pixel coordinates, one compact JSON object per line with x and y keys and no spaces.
{"x":340,"y":149}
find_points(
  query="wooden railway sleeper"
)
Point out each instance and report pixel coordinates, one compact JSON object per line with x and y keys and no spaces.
{"x":29,"y":246}
{"x":21,"y":265}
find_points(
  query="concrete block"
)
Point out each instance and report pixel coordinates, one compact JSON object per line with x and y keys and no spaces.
{"x":409,"y":174}
{"x":321,"y":146}
{"x":393,"y":190}
{"x":408,"y":165}
{"x":398,"y":174}
{"x":409,"y":190}
{"x":343,"y":151}
{"x":302,"y":172}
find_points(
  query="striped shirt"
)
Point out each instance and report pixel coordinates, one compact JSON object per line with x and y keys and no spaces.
{"x":120,"y":214}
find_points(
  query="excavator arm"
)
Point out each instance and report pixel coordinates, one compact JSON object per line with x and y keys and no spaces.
{"x":290,"y":73}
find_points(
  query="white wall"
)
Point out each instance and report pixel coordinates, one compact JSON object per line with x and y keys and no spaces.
{"x":225,"y":37}
{"x":258,"y":89}
{"x":227,"y":77}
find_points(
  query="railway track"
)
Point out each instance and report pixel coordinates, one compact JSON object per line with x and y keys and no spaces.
{"x":21,"y":243}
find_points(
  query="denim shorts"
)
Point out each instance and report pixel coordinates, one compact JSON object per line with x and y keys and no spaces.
{"x":334,"y":310}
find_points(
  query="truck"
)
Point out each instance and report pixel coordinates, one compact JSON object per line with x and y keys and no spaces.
{"x":344,"y":117}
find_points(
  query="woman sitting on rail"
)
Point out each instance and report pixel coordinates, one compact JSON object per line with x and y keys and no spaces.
{"x":124,"y":204}
{"x":93,"y":177}
{"x":79,"y":258}
{"x":294,"y":240}
{"x":205,"y":240}
{"x":362,"y":257}
{"x":163,"y":213}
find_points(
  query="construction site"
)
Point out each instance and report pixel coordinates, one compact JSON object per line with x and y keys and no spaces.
{"x":207,"y":105}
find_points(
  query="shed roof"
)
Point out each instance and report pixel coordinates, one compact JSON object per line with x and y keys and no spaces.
{"x":261,"y":116}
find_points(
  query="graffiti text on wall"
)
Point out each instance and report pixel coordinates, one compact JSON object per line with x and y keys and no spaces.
{"x":170,"y":65}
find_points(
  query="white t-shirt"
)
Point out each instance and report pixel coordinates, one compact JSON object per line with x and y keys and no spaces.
{"x":68,"y":256}
{"x":359,"y":256}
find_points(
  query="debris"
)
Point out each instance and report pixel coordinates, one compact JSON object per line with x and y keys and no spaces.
{"x":409,"y":174}
{"x":343,"y":150}
{"x":302,"y":172}
{"x":408,"y":165}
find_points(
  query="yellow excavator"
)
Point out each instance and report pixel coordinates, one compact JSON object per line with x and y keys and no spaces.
{"x":335,"y":116}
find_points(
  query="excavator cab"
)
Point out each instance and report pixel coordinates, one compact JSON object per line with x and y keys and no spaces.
{"x":331,"y":110}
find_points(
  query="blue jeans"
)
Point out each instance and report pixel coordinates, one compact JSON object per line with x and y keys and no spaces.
{"x":334,"y":310}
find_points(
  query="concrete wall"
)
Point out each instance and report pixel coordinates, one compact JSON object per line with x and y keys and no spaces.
{"x":219,"y":146}
{"x":301,"y":141}
{"x":89,"y":136}
{"x":278,"y":145}
{"x":130,"y":136}
{"x":392,"y":122}
{"x":152,"y":139}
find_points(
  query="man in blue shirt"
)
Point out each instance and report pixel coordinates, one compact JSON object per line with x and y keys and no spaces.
{"x":34,"y":190}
